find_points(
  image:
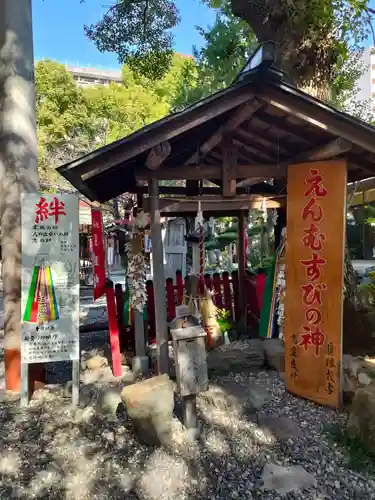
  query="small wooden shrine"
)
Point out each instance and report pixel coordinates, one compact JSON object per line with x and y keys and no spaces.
{"x":259,"y":129}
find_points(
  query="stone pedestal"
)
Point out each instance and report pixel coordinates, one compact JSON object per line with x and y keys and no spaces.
{"x":150,"y":405}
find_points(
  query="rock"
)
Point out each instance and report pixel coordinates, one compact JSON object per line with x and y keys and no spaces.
{"x":85,"y":394}
{"x":105,"y":375}
{"x":258,"y":397}
{"x":274,"y":354}
{"x":235,"y":397}
{"x":109,"y":402}
{"x":96,"y":363}
{"x":42,"y":394}
{"x":370,"y":362}
{"x":286,"y":479}
{"x":364,"y":379}
{"x":150,"y":405}
{"x":362,"y":416}
{"x":282,"y":428}
{"x":236,"y":357}
{"x":351,"y":364}
{"x":358,"y":373}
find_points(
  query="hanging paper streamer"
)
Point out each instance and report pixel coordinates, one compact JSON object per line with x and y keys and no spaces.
{"x":41,"y":306}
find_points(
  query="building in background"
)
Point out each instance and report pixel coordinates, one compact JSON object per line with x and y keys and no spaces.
{"x":366,"y":83}
{"x":92,"y":76}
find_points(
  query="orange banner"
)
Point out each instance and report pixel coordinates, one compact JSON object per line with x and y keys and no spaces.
{"x":316,"y":213}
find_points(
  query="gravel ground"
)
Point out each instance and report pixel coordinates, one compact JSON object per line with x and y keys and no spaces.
{"x":52,"y":451}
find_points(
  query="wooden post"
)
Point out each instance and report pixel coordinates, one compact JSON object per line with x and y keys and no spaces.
{"x":159,"y":280}
{"x":18,"y":167}
{"x":241,"y":271}
{"x":113,"y":329}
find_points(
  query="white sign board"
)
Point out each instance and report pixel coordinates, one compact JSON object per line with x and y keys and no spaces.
{"x":50,"y":278}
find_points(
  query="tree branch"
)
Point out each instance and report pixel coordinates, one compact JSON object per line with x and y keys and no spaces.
{"x":369,"y":20}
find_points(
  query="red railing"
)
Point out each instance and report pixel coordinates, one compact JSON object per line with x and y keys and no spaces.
{"x":225,"y":296}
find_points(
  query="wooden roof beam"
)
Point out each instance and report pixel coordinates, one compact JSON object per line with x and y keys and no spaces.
{"x":198,"y":172}
{"x":245,"y":137}
{"x":250,"y":181}
{"x":158,"y":154}
{"x":125,"y":149}
{"x":229,"y":167}
{"x":326,"y":152}
{"x":238,"y":117}
{"x":319,"y":115}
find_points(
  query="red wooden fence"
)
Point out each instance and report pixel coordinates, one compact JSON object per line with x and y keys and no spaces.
{"x":225,"y":296}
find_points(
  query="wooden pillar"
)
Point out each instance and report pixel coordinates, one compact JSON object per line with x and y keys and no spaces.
{"x":241,"y":271}
{"x":158,"y":279}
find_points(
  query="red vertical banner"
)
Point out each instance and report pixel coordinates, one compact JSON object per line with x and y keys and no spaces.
{"x":98,"y":253}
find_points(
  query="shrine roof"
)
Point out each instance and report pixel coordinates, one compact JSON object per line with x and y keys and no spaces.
{"x":271,"y":122}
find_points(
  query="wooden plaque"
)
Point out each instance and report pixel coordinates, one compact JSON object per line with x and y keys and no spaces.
{"x":316,"y":213}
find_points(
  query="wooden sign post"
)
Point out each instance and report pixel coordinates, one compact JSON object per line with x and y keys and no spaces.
{"x":314,"y":280}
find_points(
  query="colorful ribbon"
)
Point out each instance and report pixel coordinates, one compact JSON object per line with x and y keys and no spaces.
{"x":41,"y":303}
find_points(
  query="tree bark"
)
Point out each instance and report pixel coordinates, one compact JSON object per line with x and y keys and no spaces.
{"x":18,"y":166}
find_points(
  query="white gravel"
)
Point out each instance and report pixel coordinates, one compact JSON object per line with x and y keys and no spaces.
{"x":52,"y":451}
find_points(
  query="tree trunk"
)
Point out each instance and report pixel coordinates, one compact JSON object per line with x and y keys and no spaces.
{"x":18,"y":167}
{"x":306,"y":51}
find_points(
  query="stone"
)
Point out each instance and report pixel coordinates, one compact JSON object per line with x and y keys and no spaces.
{"x":282,"y":428}
{"x":258,"y":397}
{"x":274,"y":354}
{"x":351,"y":364}
{"x":364,"y":379}
{"x":236,"y":358}
{"x":357,"y":373}
{"x":285,"y":480}
{"x":362,"y":416}
{"x":85,"y":394}
{"x":150,"y":405}
{"x":105,"y":375}
{"x":370,"y":362}
{"x":235,"y":397}
{"x":96,"y":363}
{"x":109,"y":402}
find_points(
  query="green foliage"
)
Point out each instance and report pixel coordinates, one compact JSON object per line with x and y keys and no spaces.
{"x":60,"y":103}
{"x":125,"y":107}
{"x":139,"y":33}
{"x":65,"y":127}
{"x":224,"y":320}
{"x":315,"y":38}
{"x":73,"y":121}
{"x":227,"y":46}
{"x":360,"y":457}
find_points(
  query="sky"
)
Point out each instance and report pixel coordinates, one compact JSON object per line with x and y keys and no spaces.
{"x":58,"y":30}
{"x":59,"y":35}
